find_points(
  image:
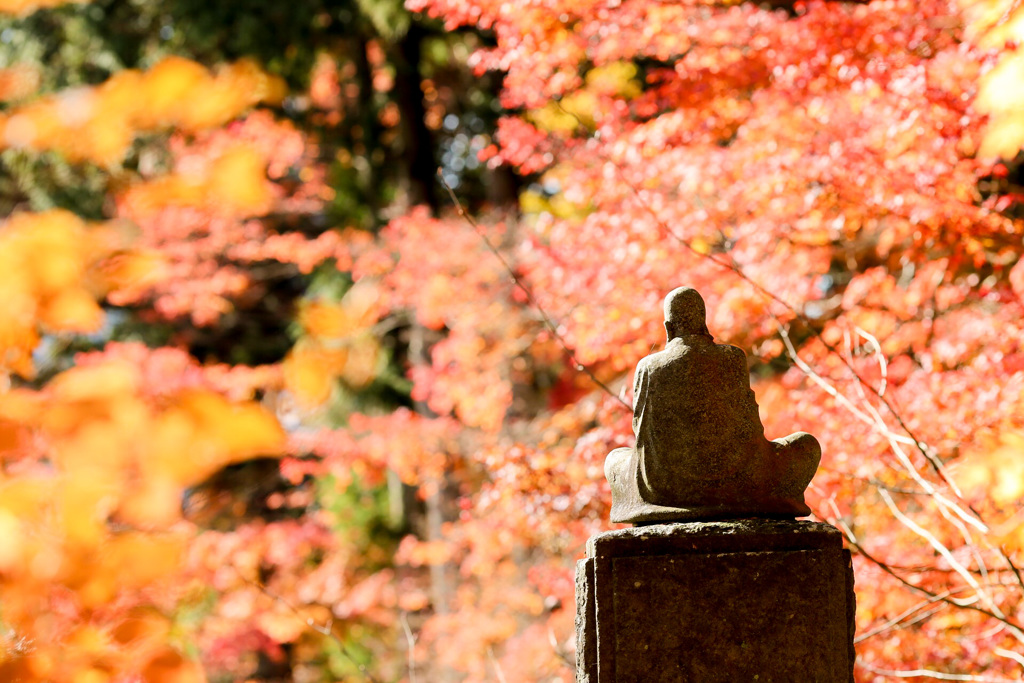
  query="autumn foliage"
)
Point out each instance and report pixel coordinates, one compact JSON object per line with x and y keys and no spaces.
{"x":274,"y":408}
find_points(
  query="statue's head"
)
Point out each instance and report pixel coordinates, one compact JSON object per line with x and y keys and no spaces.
{"x":685,"y":313}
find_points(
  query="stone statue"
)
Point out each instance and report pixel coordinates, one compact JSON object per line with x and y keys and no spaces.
{"x":700,"y":447}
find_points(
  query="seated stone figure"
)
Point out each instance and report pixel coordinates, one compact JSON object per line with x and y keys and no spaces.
{"x":700,"y":447}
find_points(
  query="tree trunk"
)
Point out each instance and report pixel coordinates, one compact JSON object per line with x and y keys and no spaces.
{"x":417,"y":148}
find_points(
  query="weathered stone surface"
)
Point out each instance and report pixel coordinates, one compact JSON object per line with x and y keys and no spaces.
{"x":744,"y":600}
{"x":761,"y":628}
{"x":586,"y":626}
{"x":737,"y":535}
{"x":700,"y":448}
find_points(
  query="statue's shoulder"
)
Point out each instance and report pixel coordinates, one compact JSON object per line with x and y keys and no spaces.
{"x":671,"y":354}
{"x":733,"y":350}
{"x":647,"y":362}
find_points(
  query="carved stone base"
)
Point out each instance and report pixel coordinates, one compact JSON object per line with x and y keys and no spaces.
{"x":746,"y":600}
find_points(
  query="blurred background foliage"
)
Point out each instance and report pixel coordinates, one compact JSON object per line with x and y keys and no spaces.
{"x":273,"y":409}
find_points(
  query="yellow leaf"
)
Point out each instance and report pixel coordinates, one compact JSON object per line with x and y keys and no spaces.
{"x":213,"y":104}
{"x":103,"y":140}
{"x":310,"y":371}
{"x":430,"y":553}
{"x":12,"y":542}
{"x":113,"y":379}
{"x":139,"y":558}
{"x":362,"y":303}
{"x":203,"y":432}
{"x":88,"y":640}
{"x":323,"y":319}
{"x":176,"y":453}
{"x":1001,"y":95}
{"x":361,"y":367}
{"x":238,"y":178}
{"x":119,"y":96}
{"x":83,"y":501}
{"x":125,"y":561}
{"x":91,"y":675}
{"x":26,"y":497}
{"x":52,"y":241}
{"x":240,"y":430}
{"x":995,"y":469}
{"x":154,"y":502}
{"x":247,"y":76}
{"x":615,"y":78}
{"x":72,"y":310}
{"x":21,"y":405}
{"x":1008,"y":485}
{"x":1003,"y":137}
{"x":169,"y":87}
{"x":133,"y":270}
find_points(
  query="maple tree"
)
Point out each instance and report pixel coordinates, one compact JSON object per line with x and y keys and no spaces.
{"x":275,"y":410}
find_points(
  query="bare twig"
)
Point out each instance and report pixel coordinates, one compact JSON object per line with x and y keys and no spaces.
{"x":410,"y":641}
{"x":952,"y":512}
{"x":327,"y":630}
{"x":870,"y":416}
{"x":883,"y":366}
{"x":929,"y":673}
{"x":1010,"y":655}
{"x":902,"y":618}
{"x":1015,"y":629}
{"x":528,"y":293}
{"x":914,"y":615}
{"x":1013,"y":568}
{"x":496,"y":664}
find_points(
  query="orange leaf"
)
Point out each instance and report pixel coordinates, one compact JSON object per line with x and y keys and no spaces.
{"x":170,"y":666}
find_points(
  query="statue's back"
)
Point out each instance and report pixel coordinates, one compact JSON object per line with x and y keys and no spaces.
{"x":699,"y":427}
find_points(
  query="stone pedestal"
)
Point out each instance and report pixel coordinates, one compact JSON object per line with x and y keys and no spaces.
{"x":743,"y":600}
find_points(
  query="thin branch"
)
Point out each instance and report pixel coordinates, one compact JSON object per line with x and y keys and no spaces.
{"x":901,"y":619}
{"x":1014,"y":628}
{"x":1010,"y":655}
{"x":327,"y":630}
{"x":945,"y":506}
{"x":872,"y":418}
{"x":928,"y":673}
{"x":528,"y":293}
{"x":410,"y":640}
{"x":877,"y":483}
{"x":1013,"y":567}
{"x":1008,"y":14}
{"x":851,"y":538}
{"x":559,"y":651}
{"x":941,"y":550}
{"x":496,"y":664}
{"x":883,"y":366}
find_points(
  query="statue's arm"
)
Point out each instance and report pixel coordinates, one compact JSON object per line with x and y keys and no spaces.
{"x":638,"y":382}
{"x":739,"y":359}
{"x":641,"y":387}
